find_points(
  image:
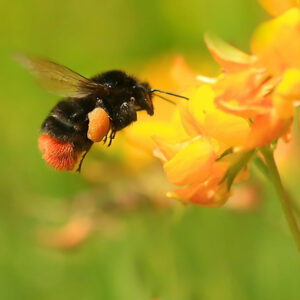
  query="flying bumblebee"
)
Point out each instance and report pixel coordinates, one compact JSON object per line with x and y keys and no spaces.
{"x":93,"y":109}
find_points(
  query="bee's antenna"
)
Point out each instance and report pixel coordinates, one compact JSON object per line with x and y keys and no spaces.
{"x":166,"y":99}
{"x":168,"y":93}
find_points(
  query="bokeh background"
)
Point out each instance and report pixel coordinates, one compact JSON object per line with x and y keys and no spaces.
{"x":110,"y":233}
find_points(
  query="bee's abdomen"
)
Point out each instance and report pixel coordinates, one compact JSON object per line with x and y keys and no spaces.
{"x":67,"y":118}
{"x":68,"y":122}
{"x":64,"y":133}
{"x":59,"y":128}
{"x":58,"y":154}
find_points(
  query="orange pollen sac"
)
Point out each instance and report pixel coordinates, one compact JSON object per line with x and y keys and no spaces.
{"x":58,"y":154}
{"x":99,"y":124}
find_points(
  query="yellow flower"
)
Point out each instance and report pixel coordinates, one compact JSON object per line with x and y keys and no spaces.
{"x":263,"y":87}
{"x":197,"y":162}
{"x":250,"y":105}
{"x":200,"y":116}
{"x":241,"y":113}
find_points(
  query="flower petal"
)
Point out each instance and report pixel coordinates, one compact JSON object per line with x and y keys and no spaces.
{"x":140,"y":134}
{"x":287,"y":93}
{"x":192,"y":164}
{"x":277,"y":7}
{"x":226,"y":128}
{"x":229,"y":57}
{"x":244,"y":87}
{"x":194,"y":111}
{"x":188,"y":121}
{"x":168,"y":150}
{"x":265,"y":129}
{"x":202,"y":194}
{"x":201,"y":117}
{"x":247,"y":111}
{"x":277,"y":42}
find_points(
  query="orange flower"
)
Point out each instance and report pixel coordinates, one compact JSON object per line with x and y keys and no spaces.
{"x":192,"y":165}
{"x":250,"y":105}
{"x":197,"y":162}
{"x":263,"y":87}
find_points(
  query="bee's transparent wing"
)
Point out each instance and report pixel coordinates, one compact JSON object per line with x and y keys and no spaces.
{"x":58,"y":79}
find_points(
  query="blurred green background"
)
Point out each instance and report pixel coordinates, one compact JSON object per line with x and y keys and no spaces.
{"x":141,"y":252}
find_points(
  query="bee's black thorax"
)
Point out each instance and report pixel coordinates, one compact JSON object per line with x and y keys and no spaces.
{"x":117,"y":103}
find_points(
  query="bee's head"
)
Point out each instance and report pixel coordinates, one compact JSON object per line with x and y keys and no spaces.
{"x":144,"y":98}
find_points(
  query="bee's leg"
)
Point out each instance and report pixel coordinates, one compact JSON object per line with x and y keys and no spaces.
{"x":82,"y":159}
{"x":105,"y":139}
{"x":111,"y":137}
{"x":113,"y":134}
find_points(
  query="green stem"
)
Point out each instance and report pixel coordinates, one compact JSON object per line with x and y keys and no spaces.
{"x":283,"y":195}
{"x":261,"y":166}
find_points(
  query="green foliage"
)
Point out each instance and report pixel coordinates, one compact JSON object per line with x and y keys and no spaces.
{"x":205,"y":254}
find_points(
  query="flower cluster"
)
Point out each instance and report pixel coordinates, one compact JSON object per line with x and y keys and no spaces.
{"x":229,"y":118}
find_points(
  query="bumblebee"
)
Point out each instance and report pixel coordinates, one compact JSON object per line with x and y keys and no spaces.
{"x":92,"y":109}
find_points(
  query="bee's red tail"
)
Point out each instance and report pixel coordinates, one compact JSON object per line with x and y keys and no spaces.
{"x":58,"y":154}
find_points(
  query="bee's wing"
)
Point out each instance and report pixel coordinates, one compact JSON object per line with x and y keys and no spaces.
{"x":58,"y":79}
